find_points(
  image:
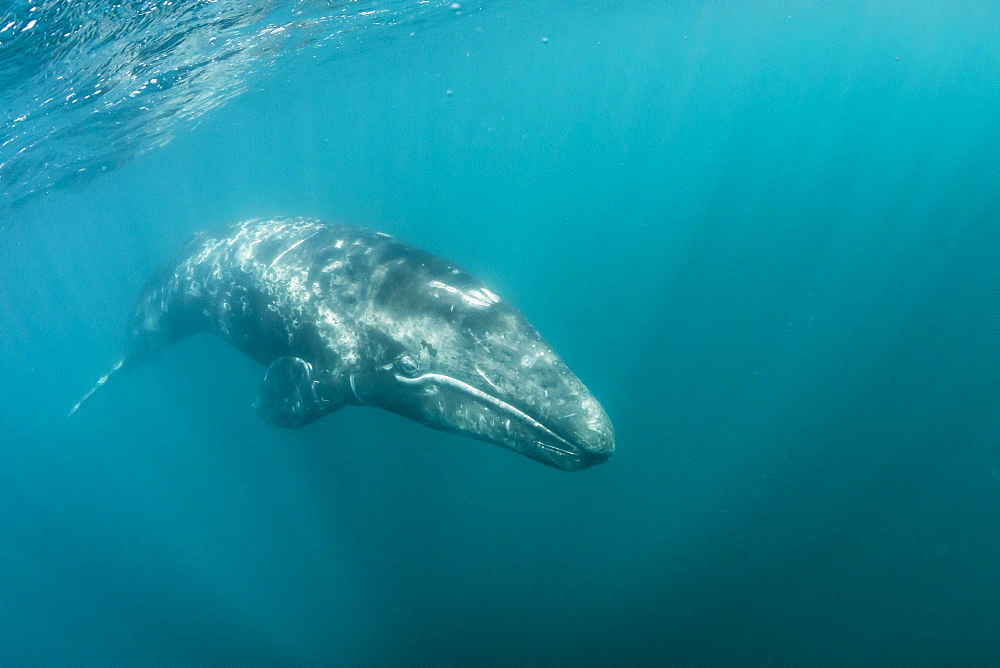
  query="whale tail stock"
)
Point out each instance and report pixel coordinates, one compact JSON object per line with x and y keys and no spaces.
{"x":144,"y":343}
{"x":101,"y":382}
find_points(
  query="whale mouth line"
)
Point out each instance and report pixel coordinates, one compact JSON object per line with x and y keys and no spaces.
{"x":559,"y":446}
{"x":552,"y":448}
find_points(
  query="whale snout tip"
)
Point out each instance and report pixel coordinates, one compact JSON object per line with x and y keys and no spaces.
{"x":602,"y":443}
{"x":598,"y":445}
{"x":598,"y":432}
{"x":593,"y":443}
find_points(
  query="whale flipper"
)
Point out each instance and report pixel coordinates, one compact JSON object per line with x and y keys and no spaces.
{"x":290,"y":394}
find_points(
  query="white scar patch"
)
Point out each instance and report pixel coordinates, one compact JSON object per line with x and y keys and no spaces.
{"x":486,"y":378}
{"x":474,"y":297}
{"x":292,"y":247}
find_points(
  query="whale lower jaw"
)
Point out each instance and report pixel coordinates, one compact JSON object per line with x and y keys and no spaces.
{"x":544,"y":445}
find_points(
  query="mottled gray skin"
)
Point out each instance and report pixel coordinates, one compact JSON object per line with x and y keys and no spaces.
{"x":342,"y":315}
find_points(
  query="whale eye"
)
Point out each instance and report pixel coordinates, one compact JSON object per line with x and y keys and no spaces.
{"x":407,"y":366}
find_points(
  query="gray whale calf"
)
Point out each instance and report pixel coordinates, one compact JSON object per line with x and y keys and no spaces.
{"x":343,"y":315}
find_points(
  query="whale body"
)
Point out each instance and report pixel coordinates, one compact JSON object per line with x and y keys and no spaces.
{"x":341,"y":315}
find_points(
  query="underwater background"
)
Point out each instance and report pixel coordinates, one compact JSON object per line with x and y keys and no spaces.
{"x":766,"y":235}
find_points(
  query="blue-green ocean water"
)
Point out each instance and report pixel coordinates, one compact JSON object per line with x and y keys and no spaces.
{"x":765,"y":234}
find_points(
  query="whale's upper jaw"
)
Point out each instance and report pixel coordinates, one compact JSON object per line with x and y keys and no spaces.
{"x":569,"y":441}
{"x":572,"y":453}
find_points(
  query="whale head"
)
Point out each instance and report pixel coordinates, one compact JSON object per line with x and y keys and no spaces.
{"x":446,"y":351}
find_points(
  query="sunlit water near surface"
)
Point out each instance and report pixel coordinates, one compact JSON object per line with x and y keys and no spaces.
{"x":765,"y":235}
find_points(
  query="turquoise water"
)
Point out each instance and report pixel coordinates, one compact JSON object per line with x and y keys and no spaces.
{"x":765,"y":235}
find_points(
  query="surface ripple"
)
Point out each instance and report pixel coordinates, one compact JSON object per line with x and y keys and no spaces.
{"x":89,"y":85}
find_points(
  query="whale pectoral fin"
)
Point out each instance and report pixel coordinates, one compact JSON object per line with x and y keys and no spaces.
{"x":290,"y":395}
